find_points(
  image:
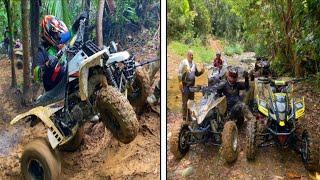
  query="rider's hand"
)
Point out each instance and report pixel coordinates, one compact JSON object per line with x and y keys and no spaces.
{"x":84,"y":15}
{"x":245,"y":74}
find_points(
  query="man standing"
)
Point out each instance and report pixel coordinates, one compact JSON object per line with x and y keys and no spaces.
{"x":187,"y":73}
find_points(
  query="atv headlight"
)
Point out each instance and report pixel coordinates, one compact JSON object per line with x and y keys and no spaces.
{"x":298,"y":105}
{"x":281,"y":106}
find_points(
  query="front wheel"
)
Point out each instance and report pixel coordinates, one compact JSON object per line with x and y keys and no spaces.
{"x":251,"y":140}
{"x":229,"y":148}
{"x":179,"y":141}
{"x":117,"y":114}
{"x":40,"y":161}
{"x":309,"y":152}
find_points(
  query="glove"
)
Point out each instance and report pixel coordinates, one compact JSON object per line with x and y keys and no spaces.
{"x":245,"y":74}
{"x":76,"y":24}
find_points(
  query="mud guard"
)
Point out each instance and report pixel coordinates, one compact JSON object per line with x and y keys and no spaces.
{"x":44,"y":113}
{"x":96,"y":60}
{"x":91,"y":61}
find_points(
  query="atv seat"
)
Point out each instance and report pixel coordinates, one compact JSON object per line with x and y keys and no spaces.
{"x":54,"y":95}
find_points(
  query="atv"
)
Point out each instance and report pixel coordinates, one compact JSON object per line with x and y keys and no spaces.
{"x":93,"y":89}
{"x":206,"y":123}
{"x":278,"y":116}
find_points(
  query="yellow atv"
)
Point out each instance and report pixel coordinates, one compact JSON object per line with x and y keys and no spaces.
{"x":278,"y":116}
{"x":207,"y":123}
{"x":86,"y":93}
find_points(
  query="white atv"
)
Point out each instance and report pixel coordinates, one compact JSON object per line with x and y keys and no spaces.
{"x":94,"y":89}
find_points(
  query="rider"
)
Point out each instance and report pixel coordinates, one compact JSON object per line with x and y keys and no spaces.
{"x":54,"y":34}
{"x":231,"y":89}
{"x":217,"y":62}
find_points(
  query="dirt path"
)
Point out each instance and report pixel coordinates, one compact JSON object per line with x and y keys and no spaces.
{"x":99,"y":157}
{"x":204,"y":161}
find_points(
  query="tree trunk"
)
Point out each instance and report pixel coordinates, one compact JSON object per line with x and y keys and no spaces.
{"x":99,"y":40}
{"x":86,"y":8}
{"x":12,"y":58}
{"x":25,"y":41}
{"x":34,"y":25}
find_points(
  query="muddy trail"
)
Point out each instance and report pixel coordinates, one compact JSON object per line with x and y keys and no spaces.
{"x":100,"y":156}
{"x":204,"y":161}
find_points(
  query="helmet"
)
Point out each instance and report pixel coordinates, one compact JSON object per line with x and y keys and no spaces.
{"x":218,"y":53}
{"x":54,"y":30}
{"x":232,"y":75}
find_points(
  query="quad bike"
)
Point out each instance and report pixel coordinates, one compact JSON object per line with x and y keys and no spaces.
{"x":278,"y":116}
{"x":206,"y":123}
{"x":90,"y":91}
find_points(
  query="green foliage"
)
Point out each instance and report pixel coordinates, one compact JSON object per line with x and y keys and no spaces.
{"x":233,"y":48}
{"x":200,"y":52}
{"x":180,"y":19}
{"x":60,"y":9}
{"x":125,"y":12}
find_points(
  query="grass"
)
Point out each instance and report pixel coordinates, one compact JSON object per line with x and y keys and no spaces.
{"x":234,"y":48}
{"x":201,"y":54}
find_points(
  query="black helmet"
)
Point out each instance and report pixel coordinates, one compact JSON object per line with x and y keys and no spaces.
{"x":232,"y":75}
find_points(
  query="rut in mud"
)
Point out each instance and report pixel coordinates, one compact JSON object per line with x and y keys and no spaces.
{"x":205,"y":161}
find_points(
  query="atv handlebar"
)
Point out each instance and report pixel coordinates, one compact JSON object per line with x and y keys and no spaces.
{"x":148,"y":62}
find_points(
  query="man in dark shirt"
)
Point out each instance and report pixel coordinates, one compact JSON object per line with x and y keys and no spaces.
{"x":231,"y":89}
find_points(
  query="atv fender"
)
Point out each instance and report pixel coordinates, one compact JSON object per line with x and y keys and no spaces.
{"x":201,"y":111}
{"x":92,"y":61}
{"x":44,"y":113}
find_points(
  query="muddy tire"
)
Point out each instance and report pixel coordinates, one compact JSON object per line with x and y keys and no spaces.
{"x":137,"y":95}
{"x":309,"y":152}
{"x":40,"y":161}
{"x":75,"y":142}
{"x":229,"y":147}
{"x":251,"y":140}
{"x":117,"y":114}
{"x":178,"y":145}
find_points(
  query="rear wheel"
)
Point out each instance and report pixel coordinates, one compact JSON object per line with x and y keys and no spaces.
{"x":229,"y":148}
{"x":40,"y":161}
{"x":309,"y":152}
{"x":117,"y":114}
{"x":251,"y":140}
{"x":137,"y":95}
{"x":179,"y":141}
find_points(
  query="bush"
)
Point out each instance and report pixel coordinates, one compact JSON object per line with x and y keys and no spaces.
{"x":234,"y":48}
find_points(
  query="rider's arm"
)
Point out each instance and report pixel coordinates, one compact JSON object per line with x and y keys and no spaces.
{"x":244,"y":85}
{"x":40,"y":60}
{"x":221,"y":88}
{"x":76,"y":24}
